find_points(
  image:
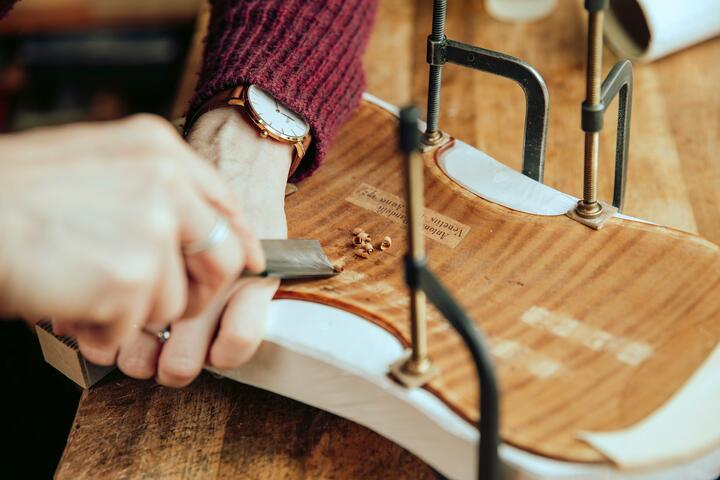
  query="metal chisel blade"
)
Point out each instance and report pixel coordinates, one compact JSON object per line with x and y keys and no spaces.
{"x":295,"y":259}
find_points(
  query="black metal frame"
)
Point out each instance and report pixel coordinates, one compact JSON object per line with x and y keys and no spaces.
{"x":419,"y":277}
{"x":488,"y":462}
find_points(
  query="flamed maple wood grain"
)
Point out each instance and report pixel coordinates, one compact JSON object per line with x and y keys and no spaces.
{"x":633,"y":281}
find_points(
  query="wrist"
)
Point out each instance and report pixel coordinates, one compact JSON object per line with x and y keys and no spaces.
{"x":256,"y":168}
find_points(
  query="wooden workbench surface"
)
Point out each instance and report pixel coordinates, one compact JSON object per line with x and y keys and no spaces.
{"x":217,"y":428}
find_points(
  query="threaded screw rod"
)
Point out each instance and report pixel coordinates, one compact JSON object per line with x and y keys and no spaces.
{"x":432,"y":132}
{"x":589,"y":207}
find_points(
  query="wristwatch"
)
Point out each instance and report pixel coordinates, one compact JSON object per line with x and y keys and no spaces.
{"x":272,"y":118}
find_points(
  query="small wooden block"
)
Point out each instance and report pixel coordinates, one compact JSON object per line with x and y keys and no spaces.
{"x":63,"y":354}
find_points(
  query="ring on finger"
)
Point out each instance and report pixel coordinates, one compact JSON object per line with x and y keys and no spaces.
{"x":161,"y":336}
{"x":217,"y":235}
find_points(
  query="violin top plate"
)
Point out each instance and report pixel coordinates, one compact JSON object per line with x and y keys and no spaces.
{"x":590,"y":330}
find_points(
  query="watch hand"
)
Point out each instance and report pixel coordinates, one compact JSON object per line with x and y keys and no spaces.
{"x":286,"y":116}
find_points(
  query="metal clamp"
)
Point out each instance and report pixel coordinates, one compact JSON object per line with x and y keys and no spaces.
{"x":436,"y":51}
{"x":441,"y":50}
{"x":620,"y":80}
{"x":415,"y":369}
{"x":589,"y":210}
{"x":537,"y":100}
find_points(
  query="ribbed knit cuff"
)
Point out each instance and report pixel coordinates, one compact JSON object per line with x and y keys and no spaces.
{"x":306,"y":53}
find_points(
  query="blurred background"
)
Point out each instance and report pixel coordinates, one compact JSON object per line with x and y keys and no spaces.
{"x":64,"y":61}
{"x":71,"y":60}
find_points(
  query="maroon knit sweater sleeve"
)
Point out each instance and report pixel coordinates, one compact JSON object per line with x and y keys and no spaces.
{"x":306,"y":53}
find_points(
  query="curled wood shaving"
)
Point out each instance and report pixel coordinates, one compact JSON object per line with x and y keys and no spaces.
{"x":363,"y":243}
{"x":361,"y":239}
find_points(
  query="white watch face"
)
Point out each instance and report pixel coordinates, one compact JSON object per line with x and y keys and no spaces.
{"x":277,"y":118}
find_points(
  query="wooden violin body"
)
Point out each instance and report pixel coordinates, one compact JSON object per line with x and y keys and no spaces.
{"x":583,"y":324}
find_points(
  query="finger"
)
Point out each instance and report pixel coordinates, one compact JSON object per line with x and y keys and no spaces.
{"x":172,"y":292}
{"x":183,"y":355}
{"x":254,"y":255}
{"x":218,"y":193}
{"x":243,"y":323}
{"x":138,"y":355}
{"x":214,"y":268}
{"x":99,"y":344}
{"x":63,"y":329}
{"x":212,"y":272}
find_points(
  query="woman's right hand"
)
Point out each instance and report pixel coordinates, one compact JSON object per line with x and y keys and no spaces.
{"x":94,"y":218}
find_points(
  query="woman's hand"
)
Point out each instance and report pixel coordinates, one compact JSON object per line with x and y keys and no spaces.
{"x":94,"y":218}
{"x":227,"y":334}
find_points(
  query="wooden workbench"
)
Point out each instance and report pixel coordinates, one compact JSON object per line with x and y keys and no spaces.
{"x":216,"y":428}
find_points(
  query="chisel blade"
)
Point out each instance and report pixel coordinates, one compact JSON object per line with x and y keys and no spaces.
{"x":295,"y":259}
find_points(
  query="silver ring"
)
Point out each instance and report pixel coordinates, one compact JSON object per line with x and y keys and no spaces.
{"x":161,"y":336}
{"x":217,"y":235}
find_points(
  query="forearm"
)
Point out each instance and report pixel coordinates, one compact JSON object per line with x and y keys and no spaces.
{"x":256,"y":168}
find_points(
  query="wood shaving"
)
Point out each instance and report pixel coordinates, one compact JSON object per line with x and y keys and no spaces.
{"x":386,"y":243}
{"x":361,"y":239}
{"x":363,"y":243}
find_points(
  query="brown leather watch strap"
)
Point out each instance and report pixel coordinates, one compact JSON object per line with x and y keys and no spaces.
{"x":219,"y":100}
{"x":301,"y":149}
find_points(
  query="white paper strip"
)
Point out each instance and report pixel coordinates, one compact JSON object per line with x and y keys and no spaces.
{"x":685,"y":427}
{"x":649,"y":29}
{"x":481,"y":174}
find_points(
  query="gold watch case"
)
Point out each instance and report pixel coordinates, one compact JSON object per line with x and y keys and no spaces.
{"x":240,"y":97}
